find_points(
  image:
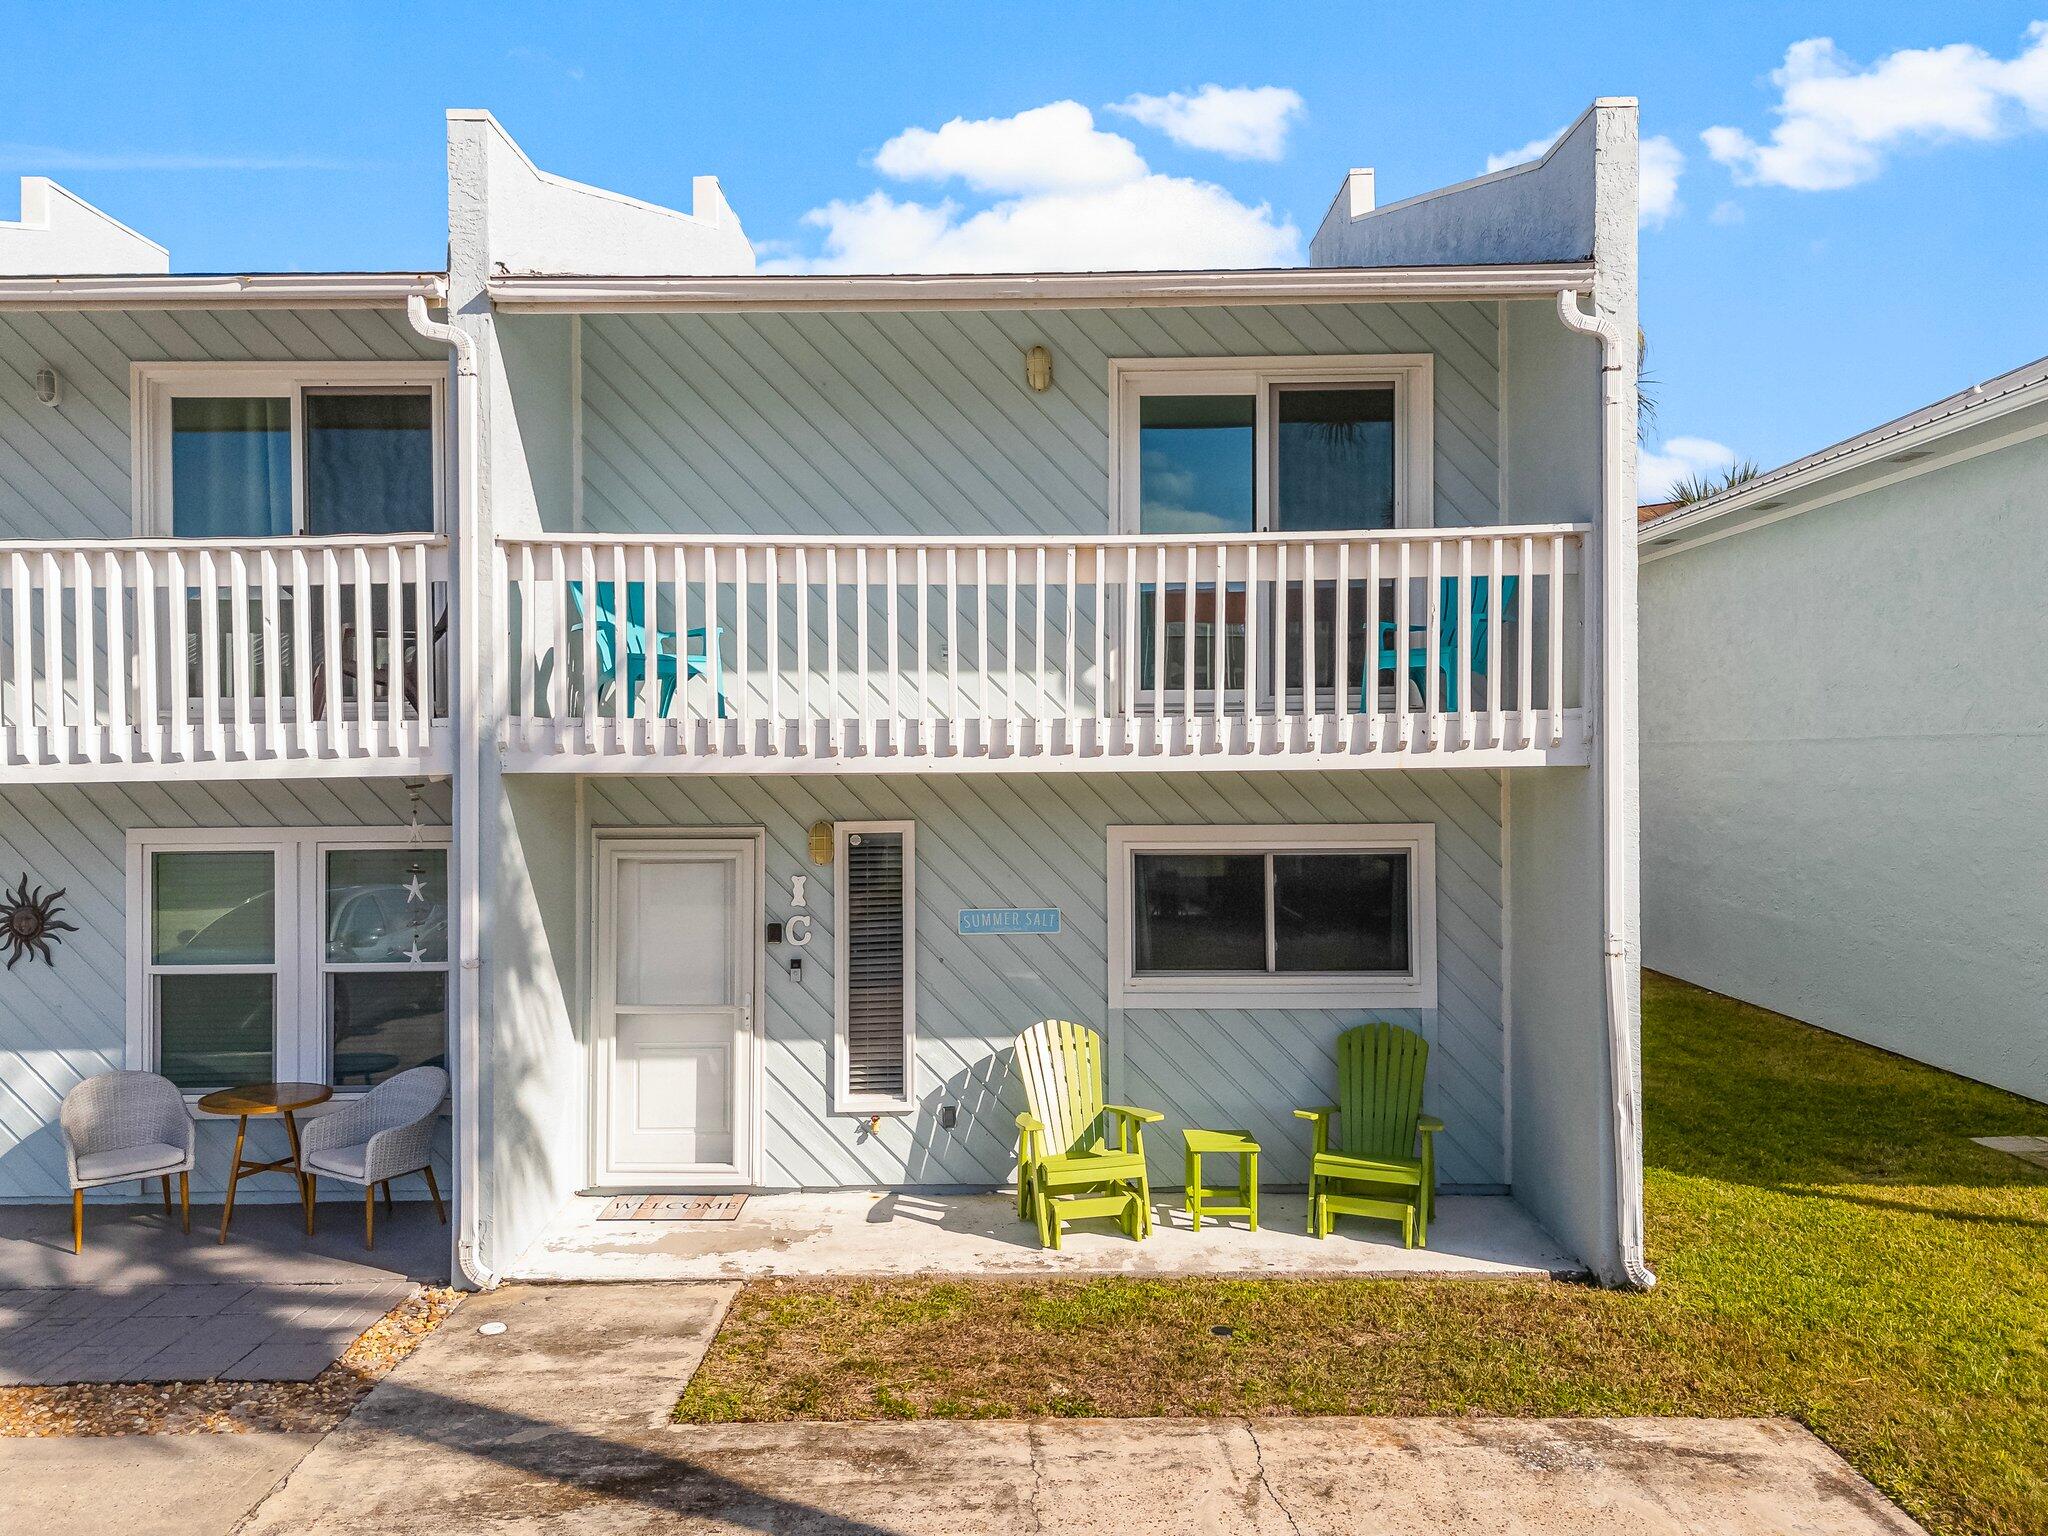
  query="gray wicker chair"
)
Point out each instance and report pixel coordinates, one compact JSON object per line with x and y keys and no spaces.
{"x":126,"y":1125}
{"x":386,"y":1133}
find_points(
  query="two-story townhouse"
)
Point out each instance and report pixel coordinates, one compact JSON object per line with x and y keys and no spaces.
{"x":877,"y":664}
{"x":224,"y":650}
{"x":847,"y":671}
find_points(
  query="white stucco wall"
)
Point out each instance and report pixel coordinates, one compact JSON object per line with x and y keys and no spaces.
{"x":1846,"y":766}
{"x":59,"y":233}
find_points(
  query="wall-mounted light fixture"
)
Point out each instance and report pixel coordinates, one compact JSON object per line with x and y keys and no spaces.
{"x":49,"y":388}
{"x":821,"y":842}
{"x":1038,"y":368}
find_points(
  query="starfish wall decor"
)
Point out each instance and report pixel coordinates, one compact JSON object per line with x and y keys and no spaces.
{"x":29,"y":923}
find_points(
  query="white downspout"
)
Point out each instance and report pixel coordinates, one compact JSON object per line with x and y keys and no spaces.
{"x":466,"y":564}
{"x":1617,"y":522}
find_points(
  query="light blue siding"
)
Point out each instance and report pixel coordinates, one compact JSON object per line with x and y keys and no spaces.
{"x":921,"y":423}
{"x":1845,"y":766}
{"x":65,"y":470}
{"x":63,"y":1022}
{"x":1000,"y":840}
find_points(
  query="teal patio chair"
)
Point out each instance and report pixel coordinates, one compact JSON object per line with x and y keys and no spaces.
{"x":705,"y":660}
{"x":1447,"y":655}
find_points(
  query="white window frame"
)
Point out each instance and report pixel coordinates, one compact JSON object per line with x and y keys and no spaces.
{"x":844,"y":1100}
{"x":153,"y":386}
{"x":1416,"y":988}
{"x":1412,"y":375}
{"x":300,"y":1049}
{"x":324,"y":968}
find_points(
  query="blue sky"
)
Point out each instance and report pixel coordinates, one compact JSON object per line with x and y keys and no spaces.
{"x":1883,"y":254}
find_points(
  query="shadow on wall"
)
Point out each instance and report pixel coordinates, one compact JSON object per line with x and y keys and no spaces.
{"x":987,"y":1098}
{"x":531,"y":1140}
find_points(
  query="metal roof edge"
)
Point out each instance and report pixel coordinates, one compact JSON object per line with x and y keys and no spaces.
{"x":1804,"y":477}
{"x":542,"y":291}
{"x":274,"y":290}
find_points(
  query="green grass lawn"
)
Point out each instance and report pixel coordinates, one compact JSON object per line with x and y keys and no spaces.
{"x":1830,"y":1246}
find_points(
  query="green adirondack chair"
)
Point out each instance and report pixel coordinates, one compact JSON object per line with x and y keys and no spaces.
{"x":1369,"y":1167}
{"x":1077,"y":1156}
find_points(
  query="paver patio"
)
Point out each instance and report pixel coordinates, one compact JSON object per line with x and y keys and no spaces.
{"x":147,"y":1303}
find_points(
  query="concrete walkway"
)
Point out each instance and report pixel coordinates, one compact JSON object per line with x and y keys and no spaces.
{"x":141,"y":1485}
{"x":835,"y":1234}
{"x":561,"y":1420}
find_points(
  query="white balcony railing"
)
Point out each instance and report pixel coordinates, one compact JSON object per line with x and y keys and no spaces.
{"x":227,"y":657}
{"x":758,"y":655}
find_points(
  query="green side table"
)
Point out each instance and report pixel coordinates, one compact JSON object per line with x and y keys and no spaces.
{"x":1200,"y":1198}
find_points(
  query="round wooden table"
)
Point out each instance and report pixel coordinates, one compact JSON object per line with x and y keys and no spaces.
{"x":261,"y":1100}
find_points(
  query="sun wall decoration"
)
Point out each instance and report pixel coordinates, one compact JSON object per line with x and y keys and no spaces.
{"x":29,"y":923}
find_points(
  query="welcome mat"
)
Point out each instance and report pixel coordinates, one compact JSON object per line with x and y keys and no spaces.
{"x":672,"y":1208}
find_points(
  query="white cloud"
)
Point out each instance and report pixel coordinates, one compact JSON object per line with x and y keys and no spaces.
{"x":1245,"y":122}
{"x":1535,"y":149}
{"x":1727,"y":211}
{"x":1659,"y":163}
{"x":1054,"y":148}
{"x":1679,"y":458}
{"x":1837,"y":123}
{"x":1078,"y":200}
{"x":1152,"y":222}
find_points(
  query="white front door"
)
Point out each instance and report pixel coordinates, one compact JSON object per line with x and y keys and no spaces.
{"x":674,"y":1028}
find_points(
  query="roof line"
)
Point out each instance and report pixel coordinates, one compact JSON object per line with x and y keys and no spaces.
{"x":226,"y":290}
{"x":1036,"y":290}
{"x":1989,"y":401}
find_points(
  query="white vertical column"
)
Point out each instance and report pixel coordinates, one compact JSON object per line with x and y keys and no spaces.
{"x":149,"y":724}
{"x":271,"y":653}
{"x":120,"y":665}
{"x":209,"y":658}
{"x":1557,"y":639}
{"x":1525,"y":643}
{"x":361,"y":737}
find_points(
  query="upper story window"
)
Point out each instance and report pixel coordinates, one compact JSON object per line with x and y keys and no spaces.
{"x":1285,"y":445}
{"x":267,"y":450}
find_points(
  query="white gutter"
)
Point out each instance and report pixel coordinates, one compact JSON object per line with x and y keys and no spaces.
{"x":261,"y":290}
{"x":467,"y":562}
{"x":1617,"y":525}
{"x":545,"y":293}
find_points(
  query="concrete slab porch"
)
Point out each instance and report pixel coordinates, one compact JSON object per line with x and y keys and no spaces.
{"x":843,"y":1233}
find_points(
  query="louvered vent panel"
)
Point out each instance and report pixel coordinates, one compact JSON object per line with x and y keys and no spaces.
{"x":876,"y":983}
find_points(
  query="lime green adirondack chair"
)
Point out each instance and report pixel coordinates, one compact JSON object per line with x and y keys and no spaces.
{"x":1067,"y":1166}
{"x":1369,"y":1167}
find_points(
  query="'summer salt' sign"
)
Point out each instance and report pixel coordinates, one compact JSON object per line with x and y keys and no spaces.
{"x":980,"y":922}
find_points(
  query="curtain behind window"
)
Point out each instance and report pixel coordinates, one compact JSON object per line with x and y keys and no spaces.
{"x":231,"y":468}
{"x":369,"y":463}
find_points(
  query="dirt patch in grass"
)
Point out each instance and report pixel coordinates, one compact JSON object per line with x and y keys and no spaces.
{"x":230,"y":1407}
{"x":1830,"y":1246}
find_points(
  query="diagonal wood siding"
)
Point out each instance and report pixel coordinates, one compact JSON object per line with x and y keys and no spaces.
{"x":61,"y":1023}
{"x":921,"y":423}
{"x":1002,"y":840}
{"x":65,"y":470}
